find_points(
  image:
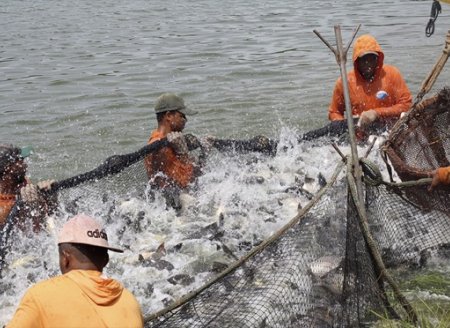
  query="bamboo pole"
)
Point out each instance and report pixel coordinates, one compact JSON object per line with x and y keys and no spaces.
{"x":354,"y":175}
{"x":341,"y":58}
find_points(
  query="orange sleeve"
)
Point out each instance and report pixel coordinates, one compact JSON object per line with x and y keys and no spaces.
{"x":444,"y":175}
{"x":402,"y":95}
{"x":337,"y":106}
{"x":6,"y":205}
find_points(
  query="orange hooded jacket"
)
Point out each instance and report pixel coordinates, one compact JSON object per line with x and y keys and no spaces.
{"x":395,"y":99}
{"x":79,"y":298}
{"x":179,"y":169}
{"x":444,"y":175}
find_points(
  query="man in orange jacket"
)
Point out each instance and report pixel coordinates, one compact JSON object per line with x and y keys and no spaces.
{"x":82,"y":296}
{"x":441,"y":176}
{"x":171,"y":169}
{"x":377,"y":91}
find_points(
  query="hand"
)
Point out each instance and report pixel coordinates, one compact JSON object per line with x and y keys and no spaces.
{"x":206,"y":143}
{"x":30,"y":193}
{"x":435,"y":180}
{"x":178,"y":143}
{"x":45,"y":185}
{"x":192,"y":141}
{"x":367,"y":117}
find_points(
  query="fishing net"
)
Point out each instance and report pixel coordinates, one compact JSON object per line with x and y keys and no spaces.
{"x":420,"y":143}
{"x":318,"y":270}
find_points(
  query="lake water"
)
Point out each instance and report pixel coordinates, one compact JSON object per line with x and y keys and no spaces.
{"x":78,"y":81}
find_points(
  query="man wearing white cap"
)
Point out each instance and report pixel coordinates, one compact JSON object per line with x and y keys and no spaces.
{"x":81,"y":296}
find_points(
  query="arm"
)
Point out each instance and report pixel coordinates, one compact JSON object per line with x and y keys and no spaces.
{"x":440,"y":176}
{"x":402,"y":96}
{"x":337,"y":106}
{"x":38,"y":203}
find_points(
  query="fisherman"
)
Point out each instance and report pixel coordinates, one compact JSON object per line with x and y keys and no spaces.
{"x":13,"y":181}
{"x":441,"y":176}
{"x":82,"y":296}
{"x":378,"y":92}
{"x":171,"y":169}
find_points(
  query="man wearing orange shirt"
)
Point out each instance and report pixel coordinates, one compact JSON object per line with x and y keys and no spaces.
{"x":441,"y":176}
{"x":377,"y":91}
{"x":82,"y":296}
{"x":171,"y":169}
{"x":13,"y":181}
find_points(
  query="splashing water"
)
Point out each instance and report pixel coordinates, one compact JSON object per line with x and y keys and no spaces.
{"x":240,"y":200}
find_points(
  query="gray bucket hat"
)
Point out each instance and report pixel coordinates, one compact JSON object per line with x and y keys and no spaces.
{"x":170,"y":102}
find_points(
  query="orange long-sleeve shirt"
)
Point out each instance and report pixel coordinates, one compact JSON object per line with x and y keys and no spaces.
{"x":444,"y":175}
{"x":79,"y":298}
{"x":178,"y":169}
{"x":387,"y":93}
{"x":6,"y":204}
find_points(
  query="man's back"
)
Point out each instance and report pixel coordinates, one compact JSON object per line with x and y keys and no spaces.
{"x":79,"y":298}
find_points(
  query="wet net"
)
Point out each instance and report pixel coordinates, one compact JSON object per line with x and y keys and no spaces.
{"x":420,"y":143}
{"x":318,"y":270}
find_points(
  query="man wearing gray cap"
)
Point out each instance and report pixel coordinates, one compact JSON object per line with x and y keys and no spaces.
{"x":171,"y":169}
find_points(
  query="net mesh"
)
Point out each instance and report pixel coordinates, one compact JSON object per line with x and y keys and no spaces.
{"x":287,"y":284}
{"x":419,"y":143}
{"x":319,"y":272}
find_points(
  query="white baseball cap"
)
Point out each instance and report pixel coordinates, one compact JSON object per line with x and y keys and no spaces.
{"x":82,"y":229}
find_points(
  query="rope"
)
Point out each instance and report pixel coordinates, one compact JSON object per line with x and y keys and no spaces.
{"x":435,"y":10}
{"x":268,"y":146}
{"x":429,"y":30}
{"x":372,"y":176}
{"x":301,"y":213}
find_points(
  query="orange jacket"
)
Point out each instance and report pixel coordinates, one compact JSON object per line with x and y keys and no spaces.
{"x":6,"y":204}
{"x":178,"y":169}
{"x":363,"y":94}
{"x":79,"y":298}
{"x":444,"y":175}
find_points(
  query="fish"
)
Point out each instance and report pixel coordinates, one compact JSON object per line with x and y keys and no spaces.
{"x":50,"y":225}
{"x":324,"y":265}
{"x":211,"y":231}
{"x":181,"y":279}
{"x":327,"y":273}
{"x":154,"y":259}
{"x":22,"y":262}
{"x":156,"y":255}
